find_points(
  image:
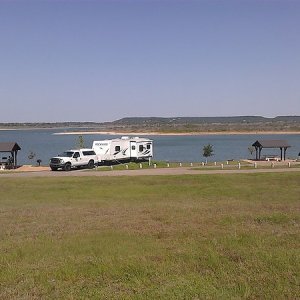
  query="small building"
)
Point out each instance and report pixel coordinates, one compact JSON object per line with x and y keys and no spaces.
{"x":12,"y":148}
{"x":279,"y":144}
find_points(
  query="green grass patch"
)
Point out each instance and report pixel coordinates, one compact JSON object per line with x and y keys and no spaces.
{"x":165,"y":164}
{"x":162,"y":237}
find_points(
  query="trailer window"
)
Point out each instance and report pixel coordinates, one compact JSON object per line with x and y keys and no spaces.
{"x":141,"y":148}
{"x":133,"y":147}
{"x":117,"y":148}
{"x":148,"y":146}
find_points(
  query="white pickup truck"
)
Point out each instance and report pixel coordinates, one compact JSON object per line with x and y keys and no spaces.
{"x":74,"y":159}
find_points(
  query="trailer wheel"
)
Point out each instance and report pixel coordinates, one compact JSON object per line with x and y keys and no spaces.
{"x":67,"y":167}
{"x":91,"y":164}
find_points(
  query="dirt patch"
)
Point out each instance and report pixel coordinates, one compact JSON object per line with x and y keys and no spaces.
{"x":30,"y":168}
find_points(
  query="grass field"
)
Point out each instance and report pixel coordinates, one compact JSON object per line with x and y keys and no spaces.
{"x":178,"y":237}
{"x":230,"y":165}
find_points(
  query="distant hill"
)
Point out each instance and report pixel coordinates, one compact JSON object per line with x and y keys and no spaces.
{"x":204,"y":120}
{"x":208,"y":124}
{"x":287,"y":119}
{"x":176,"y":124}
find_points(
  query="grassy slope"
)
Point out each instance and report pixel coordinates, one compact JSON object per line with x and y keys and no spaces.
{"x":211,"y":236}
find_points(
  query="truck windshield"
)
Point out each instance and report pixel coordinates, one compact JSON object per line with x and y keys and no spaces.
{"x":66,"y":154}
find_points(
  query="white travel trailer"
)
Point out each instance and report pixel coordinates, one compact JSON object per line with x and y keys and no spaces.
{"x":124,"y":149}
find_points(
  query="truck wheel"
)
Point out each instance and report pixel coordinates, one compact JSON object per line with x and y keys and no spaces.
{"x":91,"y":164}
{"x":67,"y":167}
{"x":53,"y":168}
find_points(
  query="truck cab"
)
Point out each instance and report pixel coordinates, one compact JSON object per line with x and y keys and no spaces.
{"x":74,"y":159}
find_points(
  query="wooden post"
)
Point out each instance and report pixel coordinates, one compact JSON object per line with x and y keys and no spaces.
{"x":284,"y":153}
{"x":14,"y":156}
{"x":256,"y":152}
{"x":259,"y":153}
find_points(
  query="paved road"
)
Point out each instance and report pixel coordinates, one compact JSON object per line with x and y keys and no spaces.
{"x":143,"y":172}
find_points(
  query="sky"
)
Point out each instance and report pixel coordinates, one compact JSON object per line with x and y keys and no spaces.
{"x":99,"y":61}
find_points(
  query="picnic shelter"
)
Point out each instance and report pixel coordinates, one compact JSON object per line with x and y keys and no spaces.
{"x":279,"y":144}
{"x":12,"y":148}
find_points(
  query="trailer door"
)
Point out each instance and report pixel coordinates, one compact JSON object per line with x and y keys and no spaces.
{"x":133,"y":150}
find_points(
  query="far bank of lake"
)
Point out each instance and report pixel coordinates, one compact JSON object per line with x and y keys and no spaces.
{"x":176,"y":133}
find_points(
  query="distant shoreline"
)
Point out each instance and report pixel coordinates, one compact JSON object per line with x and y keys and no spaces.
{"x":175,"y":134}
{"x":153,"y":133}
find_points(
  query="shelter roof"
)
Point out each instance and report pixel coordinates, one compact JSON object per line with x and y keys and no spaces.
{"x":9,"y":147}
{"x":271,"y":144}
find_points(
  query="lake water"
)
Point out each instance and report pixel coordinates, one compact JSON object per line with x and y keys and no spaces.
{"x":167,"y":148}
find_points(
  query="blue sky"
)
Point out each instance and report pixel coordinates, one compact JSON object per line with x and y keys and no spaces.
{"x":104,"y":60}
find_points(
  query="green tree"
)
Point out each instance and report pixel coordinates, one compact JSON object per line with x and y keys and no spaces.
{"x":207,"y":151}
{"x":80,"y":142}
{"x":31,"y":155}
{"x":251,"y":150}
